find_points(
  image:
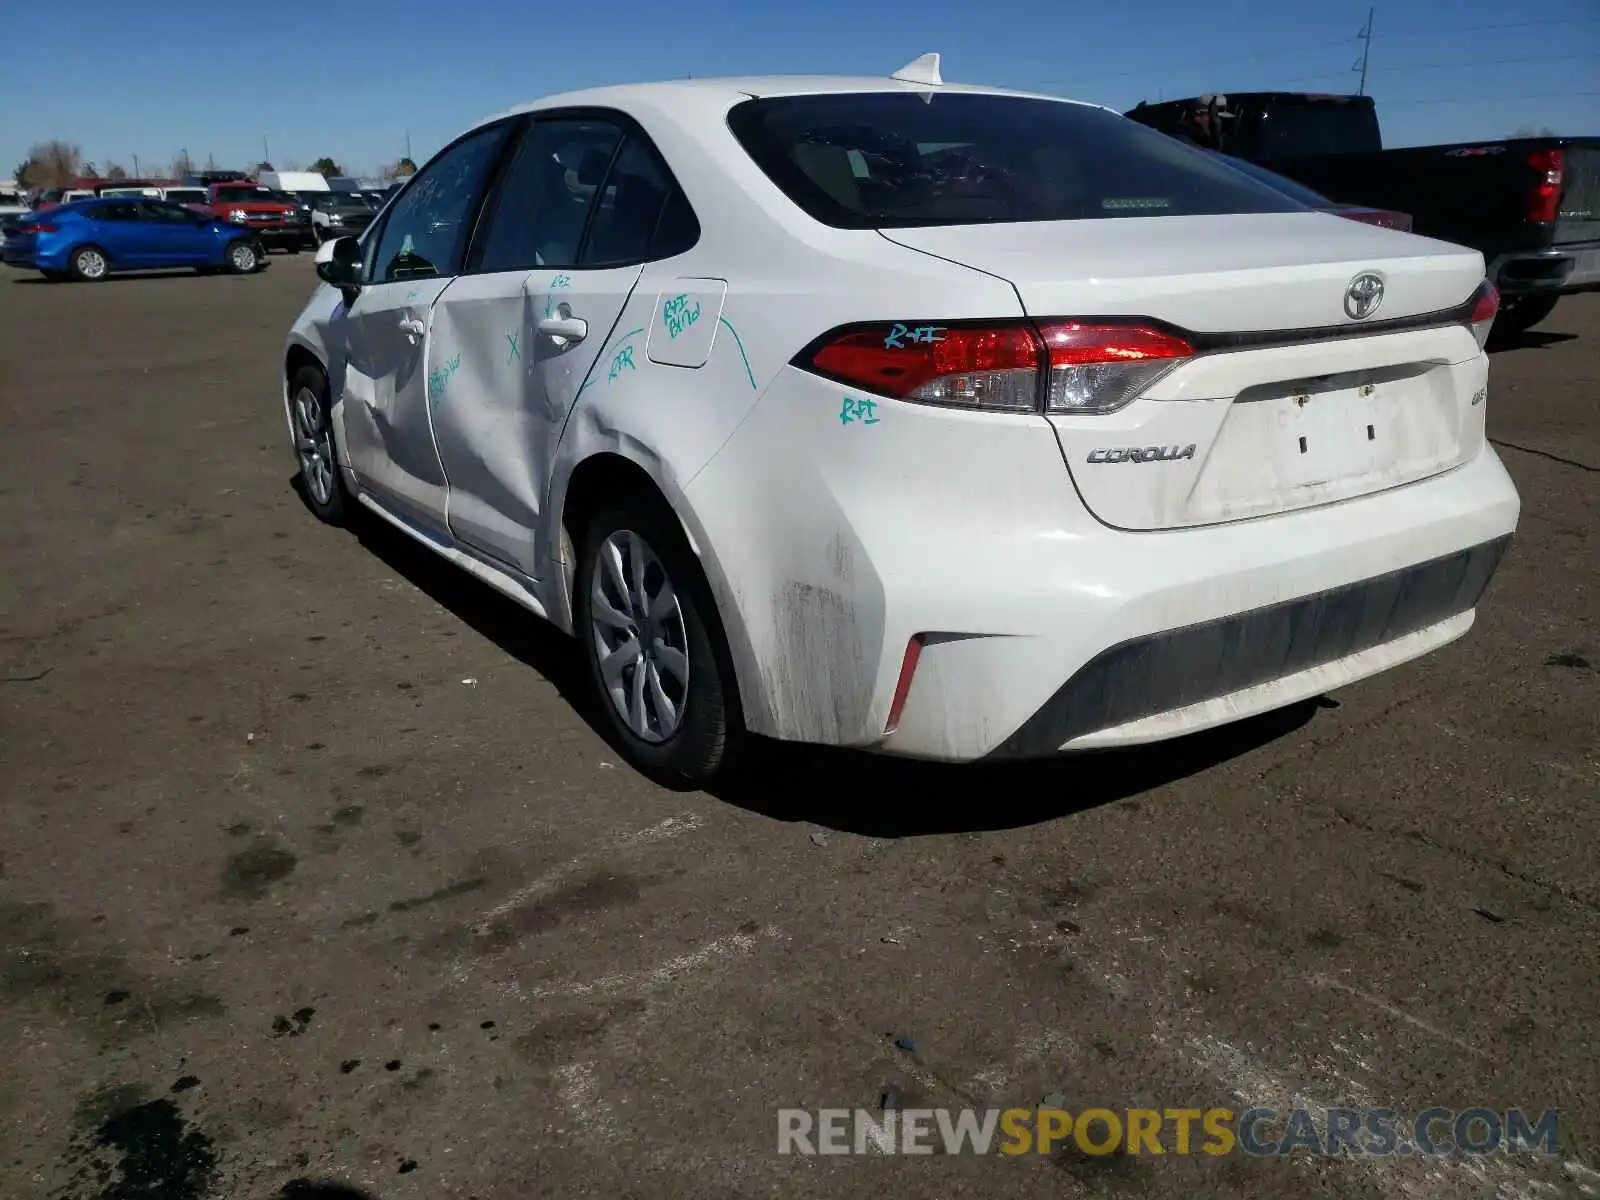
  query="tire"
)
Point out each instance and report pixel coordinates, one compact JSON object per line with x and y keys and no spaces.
{"x":700,"y":746}
{"x":1518,"y":314}
{"x":242,"y":256}
{"x":293,"y":247}
{"x":89,"y":264}
{"x":321,"y":481}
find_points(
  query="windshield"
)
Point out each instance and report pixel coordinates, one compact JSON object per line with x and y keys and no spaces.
{"x":897,"y":159}
{"x":1273,"y":180}
{"x":233,"y":195}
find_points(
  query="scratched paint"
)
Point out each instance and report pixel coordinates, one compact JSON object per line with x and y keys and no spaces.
{"x":924,"y":335}
{"x":678,"y":316}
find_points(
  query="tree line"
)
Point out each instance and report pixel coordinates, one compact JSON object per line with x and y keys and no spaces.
{"x":56,"y":163}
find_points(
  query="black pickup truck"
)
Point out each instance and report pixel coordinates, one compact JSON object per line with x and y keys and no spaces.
{"x":1530,"y":205}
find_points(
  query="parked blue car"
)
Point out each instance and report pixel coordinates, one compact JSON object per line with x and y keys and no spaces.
{"x":89,"y":239}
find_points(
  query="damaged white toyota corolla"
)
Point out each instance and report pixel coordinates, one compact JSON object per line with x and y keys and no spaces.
{"x":939,"y":420}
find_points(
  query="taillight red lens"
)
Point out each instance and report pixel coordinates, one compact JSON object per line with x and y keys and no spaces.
{"x":1544,"y":202}
{"x":1485,"y":307}
{"x":38,"y":227}
{"x":972,"y":366}
{"x":1087,"y":367}
{"x":1102,"y":368}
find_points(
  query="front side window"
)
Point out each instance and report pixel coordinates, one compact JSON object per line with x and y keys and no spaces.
{"x":538,"y":214}
{"x":426,"y":232}
{"x":901,"y":159}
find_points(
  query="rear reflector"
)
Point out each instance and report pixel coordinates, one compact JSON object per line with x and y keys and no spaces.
{"x":1485,"y":307}
{"x":902,"y":687}
{"x":1012,"y":366}
{"x":1544,"y":202}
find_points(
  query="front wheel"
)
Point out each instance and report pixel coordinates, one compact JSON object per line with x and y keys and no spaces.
{"x":310,"y":407}
{"x":1518,"y":314}
{"x":654,"y":646}
{"x":242,"y":257}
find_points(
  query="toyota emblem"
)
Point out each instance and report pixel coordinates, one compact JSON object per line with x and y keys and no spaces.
{"x":1363,"y":296}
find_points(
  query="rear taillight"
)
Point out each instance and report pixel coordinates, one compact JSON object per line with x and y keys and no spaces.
{"x":1101,"y":368}
{"x":1544,"y":202}
{"x":989,"y":366}
{"x":38,"y":227}
{"x":1056,"y":366}
{"x":1378,"y":216}
{"x":1485,"y":306}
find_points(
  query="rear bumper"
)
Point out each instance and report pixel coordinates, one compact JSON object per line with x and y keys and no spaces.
{"x":1170,"y":682}
{"x":1561,"y":270}
{"x":1041,"y":629}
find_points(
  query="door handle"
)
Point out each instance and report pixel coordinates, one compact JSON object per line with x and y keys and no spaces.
{"x":412,"y":326}
{"x":564,"y":329}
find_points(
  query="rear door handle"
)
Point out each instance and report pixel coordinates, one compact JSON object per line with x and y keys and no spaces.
{"x":564,"y":329}
{"x":413,"y":327}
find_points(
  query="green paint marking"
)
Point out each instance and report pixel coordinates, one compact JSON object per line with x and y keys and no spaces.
{"x":742,"y":354}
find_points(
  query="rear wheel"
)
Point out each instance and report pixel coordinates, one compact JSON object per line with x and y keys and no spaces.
{"x":322,"y":484}
{"x":89,"y":264}
{"x":1518,"y":314}
{"x":242,"y":257}
{"x":654,"y":645}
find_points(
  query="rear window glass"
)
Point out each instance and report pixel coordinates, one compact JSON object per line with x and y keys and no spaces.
{"x":898,"y":159}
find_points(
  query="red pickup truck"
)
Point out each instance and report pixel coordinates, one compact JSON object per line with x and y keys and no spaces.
{"x":253,"y":206}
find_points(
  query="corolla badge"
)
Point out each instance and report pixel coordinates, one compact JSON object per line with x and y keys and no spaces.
{"x":1363,"y":296}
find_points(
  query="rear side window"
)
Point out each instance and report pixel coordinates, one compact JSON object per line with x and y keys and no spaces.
{"x":1314,"y":126}
{"x":629,"y":212}
{"x":900,"y":159}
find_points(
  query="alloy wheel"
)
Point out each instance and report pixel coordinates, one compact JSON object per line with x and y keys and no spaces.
{"x":639,"y":637}
{"x":91,"y":264}
{"x":313,"y":442}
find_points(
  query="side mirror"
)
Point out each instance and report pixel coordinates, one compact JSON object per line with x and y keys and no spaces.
{"x":339,"y":263}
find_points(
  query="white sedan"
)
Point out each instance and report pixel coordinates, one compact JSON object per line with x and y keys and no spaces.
{"x":939,"y":420}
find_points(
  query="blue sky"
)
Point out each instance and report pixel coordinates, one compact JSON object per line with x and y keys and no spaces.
{"x":352,"y":79}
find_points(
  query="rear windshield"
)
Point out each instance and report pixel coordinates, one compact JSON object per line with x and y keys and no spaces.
{"x":1272,"y":179}
{"x":247,"y":193}
{"x":896,"y":159}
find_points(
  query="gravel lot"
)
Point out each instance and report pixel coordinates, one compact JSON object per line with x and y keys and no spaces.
{"x":314,"y":869}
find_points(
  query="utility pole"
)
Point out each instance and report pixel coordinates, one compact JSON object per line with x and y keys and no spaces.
{"x":1366,"y":50}
{"x":136,"y":172}
{"x":266,"y":155}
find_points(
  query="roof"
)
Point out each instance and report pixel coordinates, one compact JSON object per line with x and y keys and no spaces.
{"x":730,"y":90}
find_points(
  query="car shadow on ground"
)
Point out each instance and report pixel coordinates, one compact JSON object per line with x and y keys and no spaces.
{"x":118,"y":277}
{"x":846,"y":790}
{"x":1532,"y":339}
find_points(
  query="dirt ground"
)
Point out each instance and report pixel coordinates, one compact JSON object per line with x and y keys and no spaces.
{"x":316,"y":875}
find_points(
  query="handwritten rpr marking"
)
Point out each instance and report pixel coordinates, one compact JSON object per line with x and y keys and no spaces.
{"x":864,"y":411}
{"x":622,"y":358}
{"x":515,"y":352}
{"x":923,"y":334}
{"x":678,"y":315}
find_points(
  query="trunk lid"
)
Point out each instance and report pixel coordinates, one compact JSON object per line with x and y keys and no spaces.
{"x":1287,"y":405}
